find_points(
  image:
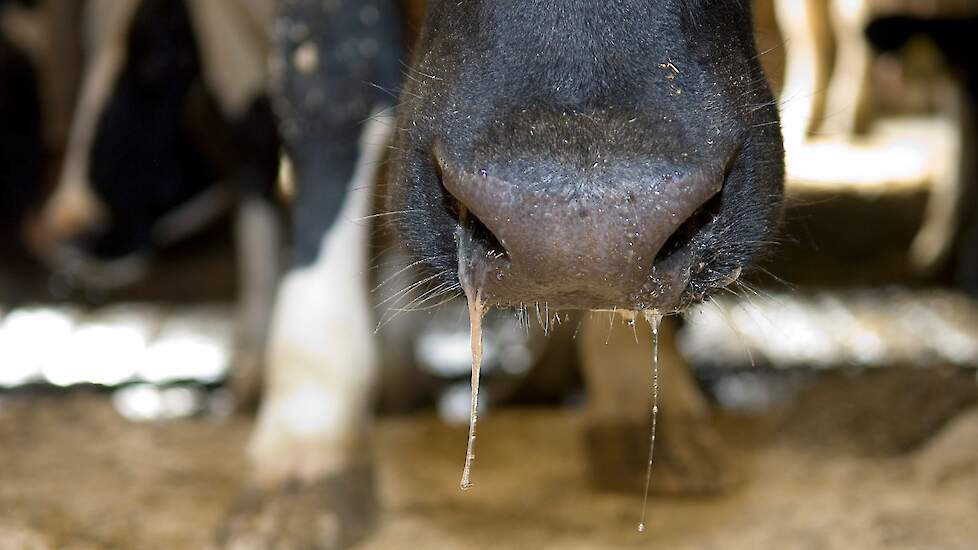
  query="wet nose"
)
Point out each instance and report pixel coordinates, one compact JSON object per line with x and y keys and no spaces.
{"x":589,"y":236}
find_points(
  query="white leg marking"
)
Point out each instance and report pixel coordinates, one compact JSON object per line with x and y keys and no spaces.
{"x":321,"y":357}
{"x":234,"y":49}
{"x":801,"y":97}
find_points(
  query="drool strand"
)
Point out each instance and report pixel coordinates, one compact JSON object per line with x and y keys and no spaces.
{"x":654,"y":318}
{"x":476,"y":311}
{"x":473,"y":293}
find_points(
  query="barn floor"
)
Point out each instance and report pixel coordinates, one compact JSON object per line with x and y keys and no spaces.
{"x":822,"y":475}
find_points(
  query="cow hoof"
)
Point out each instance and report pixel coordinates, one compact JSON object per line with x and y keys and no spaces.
{"x":690,"y":458}
{"x":335,"y":512}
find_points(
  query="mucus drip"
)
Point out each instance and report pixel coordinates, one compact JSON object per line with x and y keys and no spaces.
{"x":476,"y":311}
{"x":655,"y":319}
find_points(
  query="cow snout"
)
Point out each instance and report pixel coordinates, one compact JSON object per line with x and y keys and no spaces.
{"x":601,"y":155}
{"x":604,"y":232}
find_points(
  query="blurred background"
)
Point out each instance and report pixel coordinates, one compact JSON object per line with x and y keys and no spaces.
{"x":841,"y":371}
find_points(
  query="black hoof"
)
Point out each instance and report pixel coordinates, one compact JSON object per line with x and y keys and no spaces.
{"x":690,"y":459}
{"x":332,"y":513}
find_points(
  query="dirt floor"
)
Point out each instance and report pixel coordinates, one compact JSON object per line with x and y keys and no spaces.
{"x":826,"y":473}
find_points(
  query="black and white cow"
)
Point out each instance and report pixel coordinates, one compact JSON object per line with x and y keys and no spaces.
{"x":172,"y":98}
{"x":594,"y":155}
{"x":618,"y":155}
{"x":172,"y":126}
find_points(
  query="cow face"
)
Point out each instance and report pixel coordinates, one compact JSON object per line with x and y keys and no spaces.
{"x":596,"y":155}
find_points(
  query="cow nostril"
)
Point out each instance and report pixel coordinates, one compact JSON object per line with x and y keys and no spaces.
{"x":480,"y":234}
{"x":485,"y":237}
{"x":681,"y":242}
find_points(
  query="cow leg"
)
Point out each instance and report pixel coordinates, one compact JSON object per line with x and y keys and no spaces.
{"x":258,"y":240}
{"x":72,"y":205}
{"x":806,"y":76}
{"x":258,"y":236}
{"x":847,"y":97}
{"x":617,"y":363}
{"x":311,"y":482}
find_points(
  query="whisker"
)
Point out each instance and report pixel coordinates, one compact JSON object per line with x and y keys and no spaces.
{"x":401,"y":293}
{"x":402,"y":270}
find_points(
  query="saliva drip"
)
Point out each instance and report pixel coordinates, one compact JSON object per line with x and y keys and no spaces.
{"x":655,"y":319}
{"x":476,"y":311}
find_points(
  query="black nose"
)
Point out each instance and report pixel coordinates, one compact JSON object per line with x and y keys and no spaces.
{"x":577,"y":235}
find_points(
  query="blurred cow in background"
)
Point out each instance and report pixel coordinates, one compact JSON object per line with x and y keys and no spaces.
{"x":38,"y":74}
{"x":172,"y":128}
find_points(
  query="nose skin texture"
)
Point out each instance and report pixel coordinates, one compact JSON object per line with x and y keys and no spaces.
{"x":578,"y":237}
